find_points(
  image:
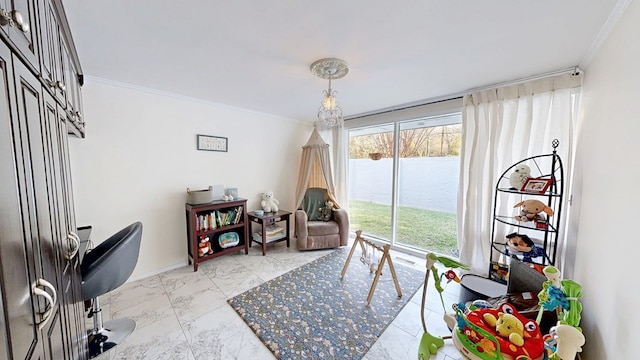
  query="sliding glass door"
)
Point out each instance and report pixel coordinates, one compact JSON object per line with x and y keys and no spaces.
{"x":370,"y":180}
{"x":403,"y":182}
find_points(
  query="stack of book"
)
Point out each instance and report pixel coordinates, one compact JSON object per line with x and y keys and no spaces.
{"x":215,"y":219}
{"x":274,"y":232}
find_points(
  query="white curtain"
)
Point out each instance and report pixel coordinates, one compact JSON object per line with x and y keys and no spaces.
{"x":340,"y":158}
{"x":501,"y":127}
{"x":338,"y":139}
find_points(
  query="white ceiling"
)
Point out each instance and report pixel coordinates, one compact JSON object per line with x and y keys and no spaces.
{"x":255,"y":55}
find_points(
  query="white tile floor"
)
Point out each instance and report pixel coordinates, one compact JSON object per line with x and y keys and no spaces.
{"x":182,"y":314}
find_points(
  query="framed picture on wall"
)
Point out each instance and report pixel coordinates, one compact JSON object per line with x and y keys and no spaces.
{"x":212,"y":143}
{"x":536,"y":185}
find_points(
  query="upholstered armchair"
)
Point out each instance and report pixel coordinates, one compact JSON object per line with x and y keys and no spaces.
{"x":313,"y":233}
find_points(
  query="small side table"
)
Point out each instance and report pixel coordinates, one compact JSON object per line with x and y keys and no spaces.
{"x":266,"y":220}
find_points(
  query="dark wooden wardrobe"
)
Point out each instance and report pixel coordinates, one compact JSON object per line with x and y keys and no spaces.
{"x":40,"y":106}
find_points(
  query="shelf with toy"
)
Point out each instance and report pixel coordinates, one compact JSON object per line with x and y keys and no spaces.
{"x":223,"y":223}
{"x":531,"y":225}
{"x":520,"y":192}
{"x":528,"y":200}
{"x":524,"y":248}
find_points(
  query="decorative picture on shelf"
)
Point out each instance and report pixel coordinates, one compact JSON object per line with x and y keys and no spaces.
{"x":536,"y":185}
{"x":232,"y":192}
{"x":212,"y":143}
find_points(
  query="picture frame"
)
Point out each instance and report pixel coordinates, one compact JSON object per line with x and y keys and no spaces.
{"x":212,"y":143}
{"x":233,"y":192}
{"x":536,"y":185}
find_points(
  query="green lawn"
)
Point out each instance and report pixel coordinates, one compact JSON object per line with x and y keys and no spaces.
{"x":419,"y":228}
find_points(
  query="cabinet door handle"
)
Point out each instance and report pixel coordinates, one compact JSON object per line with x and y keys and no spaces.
{"x":57,"y":84}
{"x":76,"y":245}
{"x":19,"y":20}
{"x":51,"y":300}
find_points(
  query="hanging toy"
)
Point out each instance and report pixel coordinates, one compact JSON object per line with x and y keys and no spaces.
{"x":450,"y":275}
{"x":370,"y":258}
{"x":373,"y":260}
{"x":429,"y":344}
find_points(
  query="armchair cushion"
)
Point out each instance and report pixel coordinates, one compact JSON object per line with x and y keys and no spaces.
{"x":312,"y":202}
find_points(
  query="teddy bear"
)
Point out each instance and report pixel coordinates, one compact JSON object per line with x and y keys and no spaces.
{"x":204,"y":247}
{"x":519,"y":176}
{"x":530,"y":210}
{"x":507,"y":326}
{"x":327,"y":210}
{"x":269,"y":203}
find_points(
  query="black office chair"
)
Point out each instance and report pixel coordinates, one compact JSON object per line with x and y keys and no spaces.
{"x":103,"y":269}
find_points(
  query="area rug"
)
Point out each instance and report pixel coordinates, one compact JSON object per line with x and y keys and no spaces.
{"x":310,"y":312}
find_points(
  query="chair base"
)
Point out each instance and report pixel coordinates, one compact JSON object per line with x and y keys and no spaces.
{"x":112,"y":334}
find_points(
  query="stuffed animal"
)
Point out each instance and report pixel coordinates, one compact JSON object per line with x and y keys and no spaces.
{"x":204,"y":247}
{"x":326,"y":211}
{"x":519,"y":176}
{"x":508,"y":326}
{"x":269,"y":203}
{"x":519,"y":242}
{"x":530,"y":209}
{"x":523,"y":244}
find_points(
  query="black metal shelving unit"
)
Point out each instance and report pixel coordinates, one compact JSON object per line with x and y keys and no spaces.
{"x":546,"y":166}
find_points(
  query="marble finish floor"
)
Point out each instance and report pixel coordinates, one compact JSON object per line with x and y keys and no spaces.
{"x":182,"y":314}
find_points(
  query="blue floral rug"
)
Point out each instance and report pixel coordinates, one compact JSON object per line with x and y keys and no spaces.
{"x":310,"y":312}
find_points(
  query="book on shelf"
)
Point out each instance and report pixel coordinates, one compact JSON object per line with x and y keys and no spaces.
{"x":272,"y":230}
{"x":217,"y":218}
{"x":257,"y":236}
{"x":206,"y":222}
{"x":238,"y":215}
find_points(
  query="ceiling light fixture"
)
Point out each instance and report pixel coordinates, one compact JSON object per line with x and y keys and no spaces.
{"x":330,"y":113}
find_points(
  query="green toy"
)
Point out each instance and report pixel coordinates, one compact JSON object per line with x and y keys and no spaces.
{"x":429,"y":344}
{"x":563,"y":296}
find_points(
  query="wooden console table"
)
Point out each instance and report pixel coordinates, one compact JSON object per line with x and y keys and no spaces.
{"x":266,"y":220}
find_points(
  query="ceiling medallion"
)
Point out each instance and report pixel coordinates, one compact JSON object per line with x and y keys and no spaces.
{"x":330,"y":68}
{"x":330,"y":112}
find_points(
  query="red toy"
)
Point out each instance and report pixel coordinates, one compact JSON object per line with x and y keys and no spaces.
{"x":204,"y":247}
{"x":515,"y":334}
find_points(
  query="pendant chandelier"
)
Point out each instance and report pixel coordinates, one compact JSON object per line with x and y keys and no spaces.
{"x":330,"y":112}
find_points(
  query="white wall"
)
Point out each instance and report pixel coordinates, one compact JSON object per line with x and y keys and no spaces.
{"x":607,"y":162}
{"x":139,"y":156}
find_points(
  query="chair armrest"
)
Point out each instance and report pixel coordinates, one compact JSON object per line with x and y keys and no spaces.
{"x":301,"y":229}
{"x":341,"y":217}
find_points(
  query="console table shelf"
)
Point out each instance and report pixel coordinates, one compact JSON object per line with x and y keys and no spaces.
{"x":265,"y":220}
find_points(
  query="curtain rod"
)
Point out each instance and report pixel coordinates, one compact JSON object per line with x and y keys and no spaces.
{"x":572,"y":71}
{"x":575,"y":70}
{"x":403,"y":107}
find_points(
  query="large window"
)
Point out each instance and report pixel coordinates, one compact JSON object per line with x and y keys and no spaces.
{"x":403,"y":182}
